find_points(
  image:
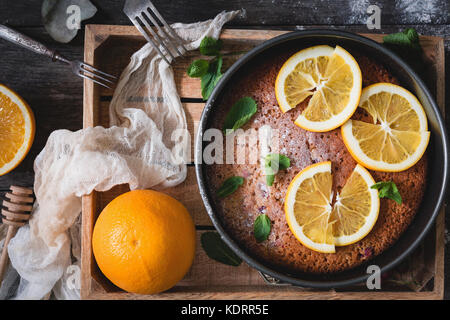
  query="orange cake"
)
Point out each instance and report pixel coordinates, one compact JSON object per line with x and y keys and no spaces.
{"x":239,"y":210}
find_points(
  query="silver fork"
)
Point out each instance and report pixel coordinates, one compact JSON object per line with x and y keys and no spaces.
{"x":81,"y":69}
{"x":140,"y":13}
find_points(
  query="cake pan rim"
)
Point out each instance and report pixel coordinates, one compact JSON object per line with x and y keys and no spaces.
{"x":295,"y":35}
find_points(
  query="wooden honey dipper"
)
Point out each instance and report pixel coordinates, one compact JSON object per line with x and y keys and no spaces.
{"x":16,"y":212}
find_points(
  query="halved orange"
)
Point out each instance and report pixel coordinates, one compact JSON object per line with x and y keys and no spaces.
{"x":320,"y":221}
{"x":398,"y":135}
{"x":330,"y":76}
{"x":17,"y":129}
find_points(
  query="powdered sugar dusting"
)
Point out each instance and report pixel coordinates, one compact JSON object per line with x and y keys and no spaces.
{"x":358,"y":11}
{"x":413,"y":11}
{"x":406,"y":11}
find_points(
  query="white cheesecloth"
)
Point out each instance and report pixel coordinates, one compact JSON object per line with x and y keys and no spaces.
{"x":138,"y":149}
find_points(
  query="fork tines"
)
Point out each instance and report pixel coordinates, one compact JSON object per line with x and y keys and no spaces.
{"x":89,"y":72}
{"x":166,"y":41}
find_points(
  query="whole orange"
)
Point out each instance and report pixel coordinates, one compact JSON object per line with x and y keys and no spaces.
{"x":144,"y":241}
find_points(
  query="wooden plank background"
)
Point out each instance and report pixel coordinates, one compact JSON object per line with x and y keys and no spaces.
{"x":56,"y":96}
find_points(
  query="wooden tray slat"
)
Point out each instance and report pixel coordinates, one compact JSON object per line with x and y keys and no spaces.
{"x":109,"y":48}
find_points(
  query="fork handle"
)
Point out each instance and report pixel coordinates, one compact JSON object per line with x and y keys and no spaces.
{"x":28,"y":43}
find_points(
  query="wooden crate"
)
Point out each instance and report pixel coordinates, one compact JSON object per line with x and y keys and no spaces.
{"x":109,"y":48}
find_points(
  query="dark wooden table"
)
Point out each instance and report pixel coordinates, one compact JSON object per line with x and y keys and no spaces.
{"x":56,"y":96}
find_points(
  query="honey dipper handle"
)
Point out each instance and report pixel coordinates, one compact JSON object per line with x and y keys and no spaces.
{"x":15,"y":211}
{"x":4,"y":258}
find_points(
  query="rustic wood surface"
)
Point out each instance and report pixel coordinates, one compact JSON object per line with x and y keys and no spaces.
{"x":111,"y":47}
{"x":56,"y":96}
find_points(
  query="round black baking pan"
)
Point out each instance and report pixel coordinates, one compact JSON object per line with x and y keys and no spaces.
{"x":438,"y":156}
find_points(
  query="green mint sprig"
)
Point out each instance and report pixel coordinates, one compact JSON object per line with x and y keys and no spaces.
{"x":388,"y":189}
{"x":210,"y":71}
{"x":210,"y":46}
{"x":211,"y":77}
{"x":198,"y":68}
{"x":239,"y":114}
{"x":218,"y":250}
{"x":261,"y":228}
{"x":408,"y":38}
{"x":407,"y":45}
{"x":273,"y":163}
{"x":229,"y":186}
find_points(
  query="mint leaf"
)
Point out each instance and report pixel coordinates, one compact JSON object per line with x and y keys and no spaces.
{"x":210,"y":46}
{"x":388,"y":189}
{"x":198,"y":68}
{"x":406,"y":44}
{"x":261,"y":228}
{"x":229,"y":186}
{"x":239,"y":114}
{"x":217,"y":250}
{"x":408,"y":38}
{"x":211,"y":77}
{"x":270,"y":178}
{"x":274,"y":162}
